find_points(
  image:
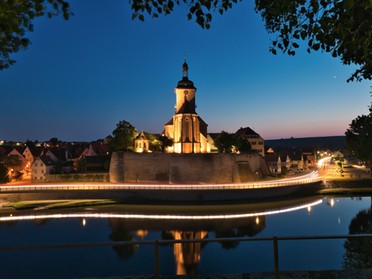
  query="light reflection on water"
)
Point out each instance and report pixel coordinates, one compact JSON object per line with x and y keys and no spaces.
{"x":331,"y":216}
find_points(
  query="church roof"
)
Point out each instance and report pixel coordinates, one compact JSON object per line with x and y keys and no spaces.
{"x":187,"y":107}
{"x":246,"y":132}
{"x":203,"y":127}
{"x":185,"y":83}
{"x":170,"y":122}
{"x":141,"y":136}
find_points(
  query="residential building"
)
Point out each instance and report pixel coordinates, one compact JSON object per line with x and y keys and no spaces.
{"x":255,"y":140}
{"x":41,"y":166}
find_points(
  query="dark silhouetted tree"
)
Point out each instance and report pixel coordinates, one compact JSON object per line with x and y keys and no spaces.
{"x":242,"y":145}
{"x":358,"y":251}
{"x":359,"y":138}
{"x":16,"y":20}
{"x":154,"y":143}
{"x":123,"y":136}
{"x":4,"y":178}
{"x":12,"y":161}
{"x":165,"y":142}
{"x":342,"y":28}
{"x":224,"y":142}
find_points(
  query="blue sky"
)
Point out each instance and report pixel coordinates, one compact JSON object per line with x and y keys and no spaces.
{"x":80,"y":77}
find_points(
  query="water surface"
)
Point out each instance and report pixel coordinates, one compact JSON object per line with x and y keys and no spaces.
{"x":303,"y":217}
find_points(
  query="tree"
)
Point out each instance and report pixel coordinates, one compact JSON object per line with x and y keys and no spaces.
{"x":224,"y":142}
{"x":342,"y":28}
{"x":242,"y":145}
{"x":123,"y":136}
{"x":12,"y":161}
{"x":16,"y":19}
{"x":358,"y":251}
{"x":339,"y":27}
{"x":155,"y":144}
{"x":54,"y":142}
{"x":359,"y":138}
{"x":4,"y":177}
{"x":165,"y":142}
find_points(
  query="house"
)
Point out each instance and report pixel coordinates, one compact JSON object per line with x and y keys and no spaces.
{"x":40,"y":167}
{"x":141,"y":143}
{"x":23,"y":162}
{"x":255,"y":140}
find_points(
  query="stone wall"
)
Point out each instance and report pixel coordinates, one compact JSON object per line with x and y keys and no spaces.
{"x":186,"y":168}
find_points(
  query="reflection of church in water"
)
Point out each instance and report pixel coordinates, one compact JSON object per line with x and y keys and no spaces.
{"x":187,"y":130}
{"x":187,"y":255}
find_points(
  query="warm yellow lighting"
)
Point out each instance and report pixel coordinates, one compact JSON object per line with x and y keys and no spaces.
{"x":332,"y":202}
{"x":142,"y":233}
{"x":84,"y":222}
{"x":159,"y":216}
{"x":257,"y":220}
{"x":291,"y":181}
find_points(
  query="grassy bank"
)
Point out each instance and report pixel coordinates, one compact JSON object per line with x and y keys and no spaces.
{"x":347,"y":187}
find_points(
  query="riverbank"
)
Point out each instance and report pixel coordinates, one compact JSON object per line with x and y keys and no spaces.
{"x":342,"y":187}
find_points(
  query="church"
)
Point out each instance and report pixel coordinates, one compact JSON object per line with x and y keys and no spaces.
{"x":186,"y":128}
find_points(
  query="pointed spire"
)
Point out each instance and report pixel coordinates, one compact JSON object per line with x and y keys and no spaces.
{"x":185,"y":68}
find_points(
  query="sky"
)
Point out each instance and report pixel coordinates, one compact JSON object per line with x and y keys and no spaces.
{"x":80,"y":77}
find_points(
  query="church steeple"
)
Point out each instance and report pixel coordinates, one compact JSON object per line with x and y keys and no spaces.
{"x":185,"y":69}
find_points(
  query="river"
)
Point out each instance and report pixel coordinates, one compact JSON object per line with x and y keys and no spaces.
{"x":111,"y":223}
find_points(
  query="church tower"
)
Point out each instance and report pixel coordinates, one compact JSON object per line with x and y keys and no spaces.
{"x":187,"y":130}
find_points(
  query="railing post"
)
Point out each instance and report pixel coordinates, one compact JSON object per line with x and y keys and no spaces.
{"x":156,"y":275}
{"x":276,"y":258}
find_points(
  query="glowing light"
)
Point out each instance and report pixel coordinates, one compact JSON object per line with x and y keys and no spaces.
{"x":84,"y":222}
{"x":309,"y":209}
{"x":332,"y":202}
{"x":292,"y":181}
{"x":257,"y":220}
{"x":157,"y":216}
{"x":339,"y":220}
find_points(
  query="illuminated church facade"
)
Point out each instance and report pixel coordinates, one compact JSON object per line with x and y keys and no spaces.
{"x":186,"y":128}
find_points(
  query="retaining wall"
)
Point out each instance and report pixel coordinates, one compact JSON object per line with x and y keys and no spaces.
{"x":186,"y":168}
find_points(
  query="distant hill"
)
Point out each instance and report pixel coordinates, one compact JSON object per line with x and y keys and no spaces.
{"x":332,"y":143}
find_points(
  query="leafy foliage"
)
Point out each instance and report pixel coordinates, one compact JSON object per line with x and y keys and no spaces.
{"x":124,"y":136}
{"x":16,"y":20}
{"x":12,"y":161}
{"x":200,"y":10}
{"x":342,"y":28}
{"x":339,"y":27}
{"x":4,"y":178}
{"x":242,"y":145}
{"x":359,"y":138}
{"x":358,"y":251}
{"x":224,"y":142}
{"x":154,"y":143}
{"x":228,"y":143}
{"x":165,"y":142}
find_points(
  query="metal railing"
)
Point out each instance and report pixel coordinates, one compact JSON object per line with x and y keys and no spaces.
{"x":275,"y":240}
